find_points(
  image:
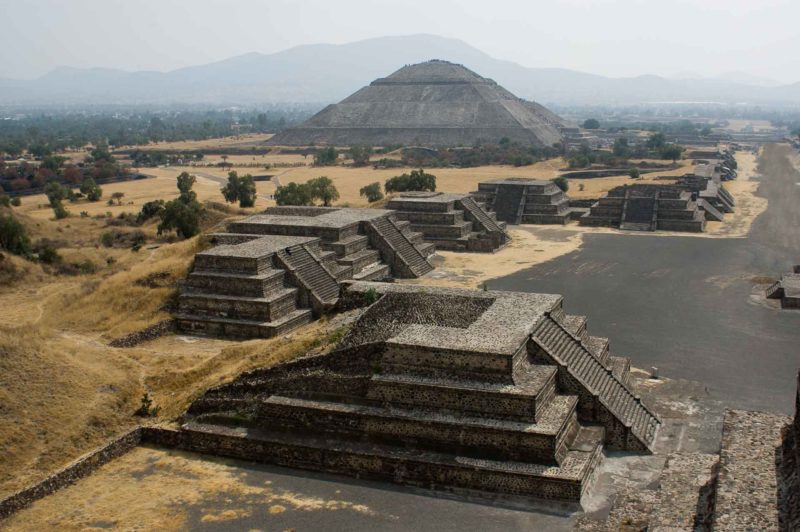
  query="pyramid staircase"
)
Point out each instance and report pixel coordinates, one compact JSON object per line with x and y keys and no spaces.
{"x":525,"y":201}
{"x":397,"y":248}
{"x":588,"y":370}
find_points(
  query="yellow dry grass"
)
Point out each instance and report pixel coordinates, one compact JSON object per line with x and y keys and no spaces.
{"x":63,"y":389}
{"x":153,"y":489}
{"x":237,"y":141}
{"x":596,"y":187}
{"x":349,"y":180}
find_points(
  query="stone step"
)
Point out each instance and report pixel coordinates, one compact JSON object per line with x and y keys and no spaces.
{"x":521,"y":401}
{"x":236,"y":284}
{"x":229,"y":327}
{"x":347,"y":246}
{"x":376,"y":272}
{"x":436,"y":470}
{"x":426,"y":248}
{"x":269,"y":308}
{"x":360,"y":259}
{"x":598,"y":346}
{"x":412,"y":262}
{"x":428,"y":429}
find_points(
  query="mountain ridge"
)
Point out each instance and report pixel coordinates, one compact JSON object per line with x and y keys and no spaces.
{"x":325,"y":73}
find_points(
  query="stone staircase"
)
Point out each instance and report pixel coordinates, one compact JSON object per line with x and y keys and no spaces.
{"x":711,"y":212}
{"x":308,"y":272}
{"x":486,"y":222}
{"x":631,"y":422}
{"x":396,"y":248}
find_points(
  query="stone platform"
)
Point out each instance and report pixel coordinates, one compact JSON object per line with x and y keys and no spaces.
{"x":787,"y":289}
{"x":454,"y":222}
{"x":273,"y":272}
{"x":450,"y":389}
{"x":524,"y":201}
{"x":645,"y":207}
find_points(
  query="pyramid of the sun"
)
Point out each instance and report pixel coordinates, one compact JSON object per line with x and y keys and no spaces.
{"x":428,"y":104}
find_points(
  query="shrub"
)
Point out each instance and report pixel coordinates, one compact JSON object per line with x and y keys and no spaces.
{"x":634,"y":173}
{"x":370,"y":296}
{"x":360,"y":155}
{"x":146,"y":407}
{"x":326,"y":156}
{"x":372,"y":192}
{"x":13,"y":237}
{"x":46,"y":252}
{"x":16,"y":201}
{"x":151,"y":209}
{"x":91,"y":189}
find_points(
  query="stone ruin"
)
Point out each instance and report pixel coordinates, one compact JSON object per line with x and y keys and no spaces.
{"x":753,"y":483}
{"x":787,"y":289}
{"x":453,"y":222}
{"x":435,"y":103}
{"x":645,"y":207}
{"x":273,"y":272}
{"x":460,"y":390}
{"x":524,"y":201}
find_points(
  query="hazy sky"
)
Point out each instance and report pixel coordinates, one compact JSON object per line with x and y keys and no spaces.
{"x":610,"y":37}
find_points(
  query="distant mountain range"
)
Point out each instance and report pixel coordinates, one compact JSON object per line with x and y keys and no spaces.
{"x":325,"y":73}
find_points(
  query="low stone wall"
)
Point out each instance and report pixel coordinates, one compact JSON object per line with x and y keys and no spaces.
{"x":80,"y":468}
{"x":154,"y":331}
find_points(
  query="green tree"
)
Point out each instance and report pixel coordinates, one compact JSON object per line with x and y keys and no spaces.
{"x":671,"y":151}
{"x":241,"y":189}
{"x":591,"y":123}
{"x":294,"y":194}
{"x":117,"y":196}
{"x":372,"y":192}
{"x":634,"y":173}
{"x":656,"y":141}
{"x":185,"y":184}
{"x":183,"y":218}
{"x":182,"y":215}
{"x":417,"y":180}
{"x":55,"y":195}
{"x":561,"y":182}
{"x":326,"y":156}
{"x":621,"y":148}
{"x":91,"y":189}
{"x":150,"y":210}
{"x":13,"y":237}
{"x":323,"y":189}
{"x":360,"y":155}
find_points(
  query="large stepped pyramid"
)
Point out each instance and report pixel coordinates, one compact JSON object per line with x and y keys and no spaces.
{"x":273,"y":272}
{"x":452,"y":222}
{"x":440,"y":388}
{"x":435,"y":103}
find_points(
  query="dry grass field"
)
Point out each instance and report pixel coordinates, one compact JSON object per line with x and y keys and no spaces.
{"x":236,"y":141}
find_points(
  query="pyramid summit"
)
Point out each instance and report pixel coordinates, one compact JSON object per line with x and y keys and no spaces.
{"x":436,"y":103}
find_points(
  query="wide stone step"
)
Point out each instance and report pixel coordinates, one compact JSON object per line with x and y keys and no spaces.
{"x":376,"y":272}
{"x":269,"y":308}
{"x":520,"y":401}
{"x":360,"y":259}
{"x":347,"y":246}
{"x":236,"y":284}
{"x":429,"y":429}
{"x":437,"y":470}
{"x":235,"y":328}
